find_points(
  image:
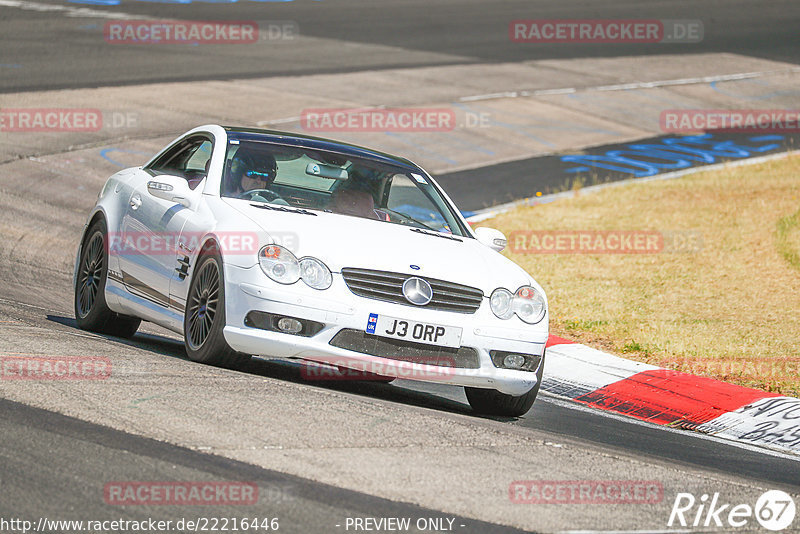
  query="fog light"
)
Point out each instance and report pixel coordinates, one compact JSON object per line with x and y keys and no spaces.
{"x":290,"y":326}
{"x":283,"y":324}
{"x":518,"y":362}
{"x":514,"y":361}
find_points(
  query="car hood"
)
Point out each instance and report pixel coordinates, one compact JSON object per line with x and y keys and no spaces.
{"x":343,"y":241}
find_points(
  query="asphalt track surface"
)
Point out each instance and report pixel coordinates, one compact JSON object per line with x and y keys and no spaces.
{"x":484,"y":187}
{"x":48,"y":50}
{"x":550,"y":415}
{"x":90,"y":454}
{"x":54,"y":465}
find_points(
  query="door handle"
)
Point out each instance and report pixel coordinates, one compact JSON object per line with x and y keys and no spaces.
{"x":136,"y":202}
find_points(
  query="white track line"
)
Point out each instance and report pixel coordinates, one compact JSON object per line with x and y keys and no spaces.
{"x":629,"y":86}
{"x":77,"y":12}
{"x":563,"y":90}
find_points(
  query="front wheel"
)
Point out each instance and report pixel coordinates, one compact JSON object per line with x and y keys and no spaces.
{"x":205,"y":316}
{"x":91,"y":311}
{"x":492,"y":402}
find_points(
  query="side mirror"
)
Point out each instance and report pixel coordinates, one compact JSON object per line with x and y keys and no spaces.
{"x":494,"y":239}
{"x":171,"y":189}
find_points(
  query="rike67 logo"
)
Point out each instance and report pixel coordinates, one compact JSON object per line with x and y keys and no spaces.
{"x":774,"y":510}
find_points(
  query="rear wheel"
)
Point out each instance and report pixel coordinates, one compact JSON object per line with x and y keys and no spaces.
{"x":91,"y":311}
{"x":492,"y":402}
{"x":205,"y":315}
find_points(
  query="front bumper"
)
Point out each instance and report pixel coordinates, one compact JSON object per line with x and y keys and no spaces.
{"x":337,"y":309}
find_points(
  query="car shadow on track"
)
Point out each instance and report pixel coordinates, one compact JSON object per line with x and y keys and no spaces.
{"x":292,"y":371}
{"x":142,"y":340}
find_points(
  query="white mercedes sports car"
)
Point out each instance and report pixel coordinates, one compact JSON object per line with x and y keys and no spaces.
{"x":250,"y":242}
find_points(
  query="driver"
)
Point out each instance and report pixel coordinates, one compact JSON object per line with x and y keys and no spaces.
{"x":254,"y":170}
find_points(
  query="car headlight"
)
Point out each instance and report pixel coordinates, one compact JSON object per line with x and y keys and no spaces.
{"x":279,"y":264}
{"x":527,"y":303}
{"x":500,"y":302}
{"x":315,"y":273}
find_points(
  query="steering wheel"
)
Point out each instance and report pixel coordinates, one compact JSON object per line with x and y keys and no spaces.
{"x":266,"y":194}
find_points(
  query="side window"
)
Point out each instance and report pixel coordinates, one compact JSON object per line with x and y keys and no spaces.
{"x":408,"y":201}
{"x":201,"y":155}
{"x":187,"y":159}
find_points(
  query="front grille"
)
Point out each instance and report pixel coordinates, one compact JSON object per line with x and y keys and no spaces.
{"x":382,"y":285}
{"x":407,"y":351}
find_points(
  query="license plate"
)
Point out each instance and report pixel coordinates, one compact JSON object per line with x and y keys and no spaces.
{"x":428,"y":333}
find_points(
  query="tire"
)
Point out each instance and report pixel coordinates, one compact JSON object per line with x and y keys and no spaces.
{"x":492,"y":402}
{"x":204,"y":318}
{"x":91,"y":311}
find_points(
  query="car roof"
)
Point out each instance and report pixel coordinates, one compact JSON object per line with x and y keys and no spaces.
{"x":318,"y":143}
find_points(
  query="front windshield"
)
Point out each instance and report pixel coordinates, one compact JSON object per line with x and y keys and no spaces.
{"x":332,"y":182}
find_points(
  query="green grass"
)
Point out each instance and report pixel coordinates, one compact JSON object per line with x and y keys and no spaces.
{"x":734,"y":298}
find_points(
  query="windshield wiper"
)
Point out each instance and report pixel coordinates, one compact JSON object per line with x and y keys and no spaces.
{"x":282,"y":208}
{"x":435,"y":233}
{"x":410,"y":218}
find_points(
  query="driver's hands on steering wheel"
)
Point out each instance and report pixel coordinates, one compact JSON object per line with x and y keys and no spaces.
{"x":263,"y":195}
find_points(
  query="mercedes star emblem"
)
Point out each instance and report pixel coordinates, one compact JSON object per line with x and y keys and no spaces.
{"x":417,"y":291}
